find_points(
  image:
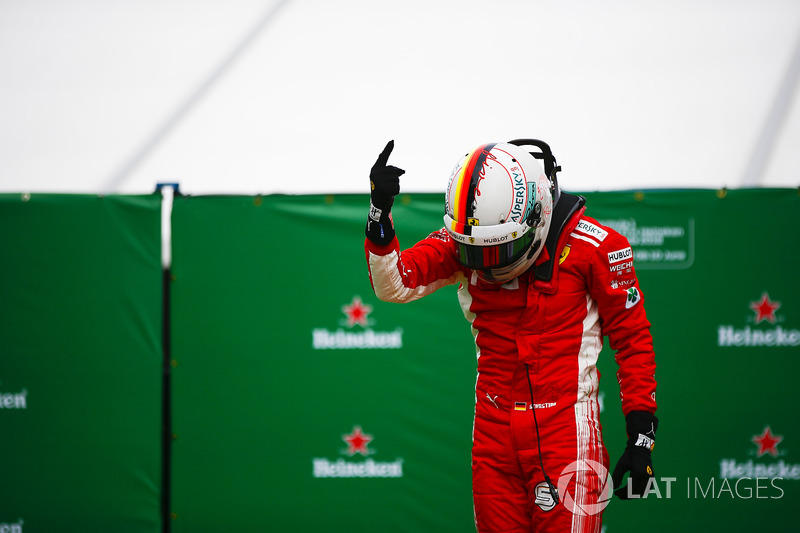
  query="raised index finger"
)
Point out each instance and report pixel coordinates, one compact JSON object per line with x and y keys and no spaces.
{"x":384,"y":157}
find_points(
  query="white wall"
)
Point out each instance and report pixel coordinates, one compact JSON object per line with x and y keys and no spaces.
{"x":245,"y":96}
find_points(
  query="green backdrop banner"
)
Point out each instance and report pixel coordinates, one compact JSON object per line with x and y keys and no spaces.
{"x":301,"y":403}
{"x":80,"y":356}
{"x":718,"y":274}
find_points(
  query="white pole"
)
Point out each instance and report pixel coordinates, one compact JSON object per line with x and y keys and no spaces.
{"x":167,"y":198}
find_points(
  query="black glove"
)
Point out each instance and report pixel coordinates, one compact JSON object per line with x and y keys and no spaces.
{"x":641,"y":427}
{"x":384,"y":183}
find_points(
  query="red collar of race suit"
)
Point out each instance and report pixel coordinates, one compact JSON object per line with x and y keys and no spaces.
{"x":566,"y":214}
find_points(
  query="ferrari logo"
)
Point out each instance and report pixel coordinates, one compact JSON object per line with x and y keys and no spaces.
{"x":473,"y":222}
{"x":564,"y":254}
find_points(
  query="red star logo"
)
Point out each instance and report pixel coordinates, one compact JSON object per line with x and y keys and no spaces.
{"x":357,"y":442}
{"x":357,"y":312}
{"x":767,"y":442}
{"x":765,"y":309}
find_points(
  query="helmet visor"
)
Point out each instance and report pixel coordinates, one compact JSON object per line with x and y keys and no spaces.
{"x":494,"y":256}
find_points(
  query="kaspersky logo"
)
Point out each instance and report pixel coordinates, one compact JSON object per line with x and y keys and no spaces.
{"x":765,"y":449}
{"x":766,"y":328}
{"x":355,"y":331}
{"x":357,"y":444}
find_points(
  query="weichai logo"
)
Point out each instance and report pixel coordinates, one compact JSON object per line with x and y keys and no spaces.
{"x":762,"y":328}
{"x":355,"y":331}
{"x":350,"y":466}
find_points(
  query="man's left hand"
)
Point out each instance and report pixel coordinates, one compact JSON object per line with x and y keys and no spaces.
{"x":636,"y":458}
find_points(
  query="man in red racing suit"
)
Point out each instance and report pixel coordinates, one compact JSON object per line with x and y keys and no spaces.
{"x":538,"y":460}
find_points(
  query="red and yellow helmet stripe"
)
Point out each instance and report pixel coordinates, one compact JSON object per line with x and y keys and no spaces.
{"x":466,"y":182}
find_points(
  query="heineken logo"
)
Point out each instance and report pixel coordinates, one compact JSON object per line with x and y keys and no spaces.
{"x":761,"y":332}
{"x":767,"y":443}
{"x":357,"y":442}
{"x":355,"y":331}
{"x":14,"y":400}
{"x":11,"y":527}
{"x":357,"y":312}
{"x":766,"y":446}
{"x":765,"y":309}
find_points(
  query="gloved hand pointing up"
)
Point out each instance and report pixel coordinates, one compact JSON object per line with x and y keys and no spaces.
{"x":384,"y":183}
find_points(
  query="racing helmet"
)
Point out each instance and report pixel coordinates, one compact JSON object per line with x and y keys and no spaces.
{"x":498,"y":207}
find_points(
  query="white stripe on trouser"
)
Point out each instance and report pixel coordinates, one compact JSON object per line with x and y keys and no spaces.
{"x":588,"y":449}
{"x":587,"y":411}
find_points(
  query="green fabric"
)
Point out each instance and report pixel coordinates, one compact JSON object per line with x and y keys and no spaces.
{"x":80,"y":360}
{"x":302,"y":403}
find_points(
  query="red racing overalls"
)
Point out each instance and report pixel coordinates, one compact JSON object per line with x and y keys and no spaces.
{"x":538,"y":338}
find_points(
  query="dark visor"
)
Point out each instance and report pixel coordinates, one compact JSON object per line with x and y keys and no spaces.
{"x":496,"y":256}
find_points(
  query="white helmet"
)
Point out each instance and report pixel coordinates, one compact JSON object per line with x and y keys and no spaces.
{"x":498,"y":208}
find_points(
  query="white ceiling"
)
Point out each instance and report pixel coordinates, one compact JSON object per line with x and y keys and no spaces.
{"x":299,"y":96}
